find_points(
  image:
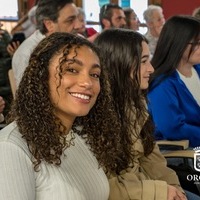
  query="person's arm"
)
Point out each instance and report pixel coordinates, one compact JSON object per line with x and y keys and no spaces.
{"x":17,"y":180}
{"x":169,"y":118}
{"x":131,"y":185}
{"x":155,"y":165}
{"x":153,"y":181}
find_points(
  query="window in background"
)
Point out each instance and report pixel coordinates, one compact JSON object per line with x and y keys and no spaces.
{"x":125,"y":3}
{"x":92,"y":8}
{"x":102,"y":2}
{"x":9,"y":10}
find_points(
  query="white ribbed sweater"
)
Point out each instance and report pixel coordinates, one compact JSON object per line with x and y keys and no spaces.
{"x":78,"y":177}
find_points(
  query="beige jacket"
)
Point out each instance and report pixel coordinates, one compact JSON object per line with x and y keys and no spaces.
{"x":147,"y":180}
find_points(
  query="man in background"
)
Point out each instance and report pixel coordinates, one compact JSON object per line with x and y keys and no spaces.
{"x":51,"y":16}
{"x":112,"y":16}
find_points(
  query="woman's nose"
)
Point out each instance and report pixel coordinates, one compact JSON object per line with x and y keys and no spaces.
{"x":85,"y":81}
{"x":150,"y":68}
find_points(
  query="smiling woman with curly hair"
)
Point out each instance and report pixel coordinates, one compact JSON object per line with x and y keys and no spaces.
{"x":63,"y":128}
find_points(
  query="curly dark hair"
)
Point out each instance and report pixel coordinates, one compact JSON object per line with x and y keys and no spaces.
{"x":34,"y":113}
{"x":122,"y":52}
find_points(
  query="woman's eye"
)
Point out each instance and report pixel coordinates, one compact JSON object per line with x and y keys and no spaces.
{"x":71,"y":70}
{"x":143,"y":61}
{"x":95,"y":75}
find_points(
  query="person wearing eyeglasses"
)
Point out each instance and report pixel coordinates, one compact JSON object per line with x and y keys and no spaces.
{"x":112,"y":16}
{"x":174,"y":93}
{"x":132,"y":21}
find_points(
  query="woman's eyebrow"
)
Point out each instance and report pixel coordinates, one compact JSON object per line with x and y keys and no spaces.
{"x":79,"y":62}
{"x":145,"y":56}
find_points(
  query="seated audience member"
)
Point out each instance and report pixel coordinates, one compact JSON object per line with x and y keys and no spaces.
{"x":196,"y":13}
{"x":51,"y":16}
{"x":132,"y":21}
{"x":62,"y":133}
{"x":112,"y":16}
{"x":140,"y":170}
{"x":174,"y":97}
{"x":5,"y":65}
{"x":155,"y":20}
{"x":89,"y":33}
{"x":27,"y":24}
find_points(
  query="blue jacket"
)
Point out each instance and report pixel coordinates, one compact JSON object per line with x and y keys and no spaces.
{"x":175,"y":112}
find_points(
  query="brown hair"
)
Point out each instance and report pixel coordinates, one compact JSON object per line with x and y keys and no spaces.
{"x":34,"y":113}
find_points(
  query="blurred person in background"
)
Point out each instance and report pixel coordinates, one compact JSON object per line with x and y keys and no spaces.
{"x":27,"y":24}
{"x":155,"y":20}
{"x":5,"y":65}
{"x":132,"y":21}
{"x":174,"y":97}
{"x":51,"y":16}
{"x":88,"y":32}
{"x":112,"y":16}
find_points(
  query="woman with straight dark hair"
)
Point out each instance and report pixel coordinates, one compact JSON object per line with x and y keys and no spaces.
{"x":140,"y":169}
{"x":174,"y":94}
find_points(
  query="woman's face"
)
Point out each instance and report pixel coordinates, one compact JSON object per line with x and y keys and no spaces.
{"x":195,"y":55}
{"x":79,"y":85}
{"x":146,"y":68}
{"x":134,"y":22}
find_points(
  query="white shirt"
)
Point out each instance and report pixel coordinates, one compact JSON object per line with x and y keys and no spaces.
{"x":192,"y":83}
{"x":21,"y":57}
{"x":28,"y":28}
{"x":152,"y":42}
{"x":77,"y":178}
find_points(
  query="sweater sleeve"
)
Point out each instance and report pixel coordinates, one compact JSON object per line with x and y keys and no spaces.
{"x":129,"y":186}
{"x":155,"y":165}
{"x":148,"y":182}
{"x":174,"y":113}
{"x":17,"y":181}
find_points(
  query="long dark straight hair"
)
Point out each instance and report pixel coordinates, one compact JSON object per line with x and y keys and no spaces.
{"x":175,"y":36}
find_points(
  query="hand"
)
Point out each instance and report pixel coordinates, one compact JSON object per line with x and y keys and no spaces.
{"x":2,"y":104}
{"x":11,"y":48}
{"x":175,"y":194}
